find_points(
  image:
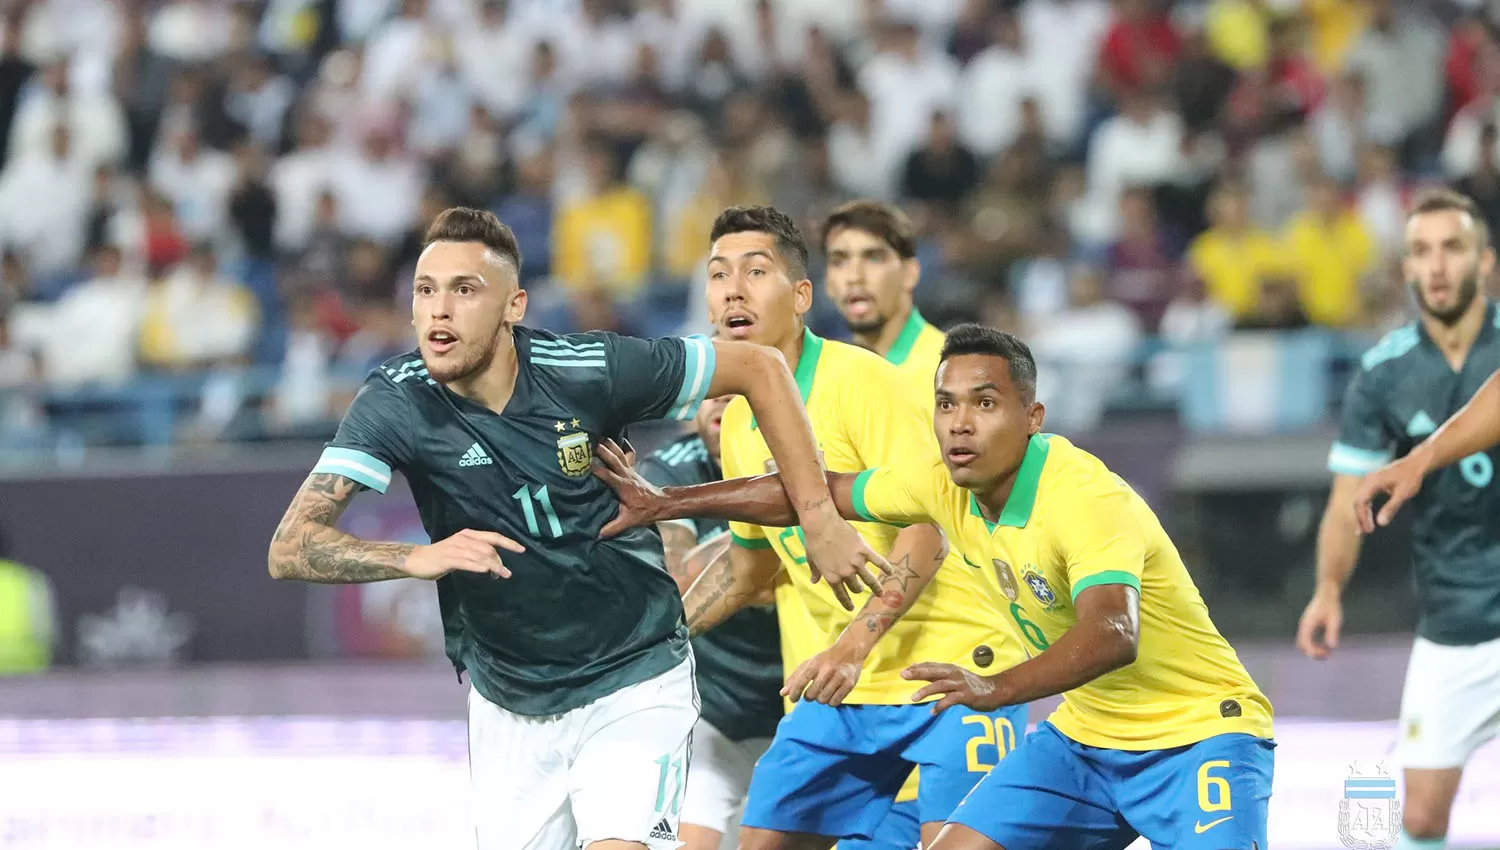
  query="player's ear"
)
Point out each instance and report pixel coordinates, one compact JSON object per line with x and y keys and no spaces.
{"x":1036,"y":416}
{"x":911,"y":271}
{"x":1486,"y":262}
{"x":515,"y":311}
{"x":803,"y":295}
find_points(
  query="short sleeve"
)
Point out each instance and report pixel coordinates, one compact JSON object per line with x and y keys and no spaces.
{"x":373,"y":438}
{"x":664,"y":378}
{"x":896,"y":495}
{"x":1363,"y":445}
{"x":1102,"y":542}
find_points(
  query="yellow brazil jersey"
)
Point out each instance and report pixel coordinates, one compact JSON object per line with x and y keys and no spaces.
{"x":915,"y":354}
{"x":862,"y":418}
{"x":1071,"y":524}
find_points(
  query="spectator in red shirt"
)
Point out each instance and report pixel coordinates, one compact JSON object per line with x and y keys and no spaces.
{"x":1140,"y":47}
{"x":1471,"y":45}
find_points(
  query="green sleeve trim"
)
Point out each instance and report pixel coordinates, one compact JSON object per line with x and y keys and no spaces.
{"x":860,"y":482}
{"x":1107,"y":577}
{"x":749,"y":542}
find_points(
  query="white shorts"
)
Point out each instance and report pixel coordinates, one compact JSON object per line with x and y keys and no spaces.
{"x":1450,"y":705}
{"x":612,"y":769}
{"x":720,"y":777}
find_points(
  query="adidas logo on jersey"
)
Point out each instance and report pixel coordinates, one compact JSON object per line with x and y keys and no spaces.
{"x":663,"y":832}
{"x":475,"y":456}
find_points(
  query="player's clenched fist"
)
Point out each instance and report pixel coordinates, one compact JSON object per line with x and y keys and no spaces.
{"x":957,"y":685}
{"x":467,"y":551}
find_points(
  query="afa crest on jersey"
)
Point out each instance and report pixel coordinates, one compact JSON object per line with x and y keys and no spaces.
{"x":1039,"y":587}
{"x":574,"y":454}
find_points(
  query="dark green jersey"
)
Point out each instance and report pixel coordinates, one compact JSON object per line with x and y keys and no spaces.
{"x":738,"y":661}
{"x":580,"y":617}
{"x":1403,"y":390}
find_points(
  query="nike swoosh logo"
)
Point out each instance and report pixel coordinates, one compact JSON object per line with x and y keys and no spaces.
{"x":1202,"y":828}
{"x":970,"y":563}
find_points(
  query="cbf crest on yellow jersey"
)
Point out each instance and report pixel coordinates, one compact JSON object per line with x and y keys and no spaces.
{"x":863,"y":415}
{"x":1070,"y":524}
{"x":916,"y":353}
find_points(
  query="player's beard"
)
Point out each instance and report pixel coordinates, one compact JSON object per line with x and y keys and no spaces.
{"x":477,"y":359}
{"x":872,"y":325}
{"x":1468,"y":290}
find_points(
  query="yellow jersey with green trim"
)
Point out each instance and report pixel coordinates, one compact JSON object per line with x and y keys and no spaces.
{"x":915,"y":353}
{"x":863,"y":416}
{"x":1070,"y":524}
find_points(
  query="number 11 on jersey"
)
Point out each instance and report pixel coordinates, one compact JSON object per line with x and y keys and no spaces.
{"x":525,"y":496}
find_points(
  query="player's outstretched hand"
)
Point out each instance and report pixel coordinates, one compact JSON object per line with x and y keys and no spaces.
{"x":839,"y":555}
{"x":467,"y":551}
{"x":827,"y":677}
{"x":1399,"y":481}
{"x":639,"y":498}
{"x":957,"y":685}
{"x":1318,"y":630}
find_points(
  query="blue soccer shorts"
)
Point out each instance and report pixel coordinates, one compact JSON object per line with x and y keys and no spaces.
{"x":901,"y":830}
{"x":1054,"y":793}
{"x":836,"y":771}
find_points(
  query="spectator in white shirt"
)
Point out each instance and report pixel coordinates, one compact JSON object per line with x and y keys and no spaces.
{"x":91,"y":333}
{"x":197,"y":180}
{"x":1065,"y":36}
{"x":378,"y":189}
{"x":1085,"y":352}
{"x":1141,"y":146}
{"x":191,"y":30}
{"x":96,"y":121}
{"x":496,"y":55}
{"x":297,"y":179}
{"x":1400,"y":57}
{"x":852,"y":152}
{"x":259,"y":98}
{"x":393,"y":55}
{"x":993,"y":85}
{"x":44,"y":206}
{"x":905,"y":82}
{"x":598,"y":48}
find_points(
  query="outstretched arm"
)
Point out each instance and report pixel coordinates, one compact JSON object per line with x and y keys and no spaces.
{"x":1103,"y":640}
{"x":754,"y":501}
{"x":760,"y":374}
{"x":307,"y":546}
{"x":1474,"y":428}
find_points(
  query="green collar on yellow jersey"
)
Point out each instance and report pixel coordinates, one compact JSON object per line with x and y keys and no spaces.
{"x":901,"y":348}
{"x":807,"y":366}
{"x":1022,"y":499}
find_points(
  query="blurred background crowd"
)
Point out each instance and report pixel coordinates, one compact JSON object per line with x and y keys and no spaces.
{"x":209,"y":209}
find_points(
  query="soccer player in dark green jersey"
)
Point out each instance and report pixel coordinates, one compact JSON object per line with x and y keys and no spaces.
{"x":582,"y":698}
{"x":739,"y":662}
{"x":1413,"y":379}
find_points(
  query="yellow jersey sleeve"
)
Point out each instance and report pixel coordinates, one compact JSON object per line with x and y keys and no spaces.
{"x":1105,"y":544}
{"x":896,"y":495}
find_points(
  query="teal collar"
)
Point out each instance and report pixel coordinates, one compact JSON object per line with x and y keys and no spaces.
{"x":1022,"y":499}
{"x":807,"y":367}
{"x":901,"y":348}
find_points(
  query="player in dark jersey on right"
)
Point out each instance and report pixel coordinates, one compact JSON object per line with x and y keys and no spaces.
{"x":1413,"y":379}
{"x":738,"y":664}
{"x":582,"y":698}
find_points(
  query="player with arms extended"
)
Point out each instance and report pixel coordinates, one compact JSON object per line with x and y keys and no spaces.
{"x":841,"y":755}
{"x":872,"y":273}
{"x":738,"y":663}
{"x":582,"y":697}
{"x":1162,"y":733}
{"x":1413,"y":379}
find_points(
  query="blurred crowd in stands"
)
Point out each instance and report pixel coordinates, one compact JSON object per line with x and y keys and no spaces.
{"x":232,"y":194}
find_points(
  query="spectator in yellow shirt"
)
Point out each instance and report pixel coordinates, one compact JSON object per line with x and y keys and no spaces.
{"x":603,"y":239}
{"x":1238,"y":32}
{"x":1330,"y":250}
{"x":1232,"y":257}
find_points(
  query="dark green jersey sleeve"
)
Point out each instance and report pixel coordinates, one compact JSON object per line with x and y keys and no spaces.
{"x":373,"y":438}
{"x":665,"y":378}
{"x":1364,"y":443}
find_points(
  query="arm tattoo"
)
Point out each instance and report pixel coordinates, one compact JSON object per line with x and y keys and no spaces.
{"x":676,"y":542}
{"x":307,"y":547}
{"x":898,"y":592}
{"x":719,"y":592}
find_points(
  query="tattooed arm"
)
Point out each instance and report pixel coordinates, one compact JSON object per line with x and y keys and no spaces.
{"x":736,"y":578}
{"x":830,"y":675}
{"x":307,"y":546}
